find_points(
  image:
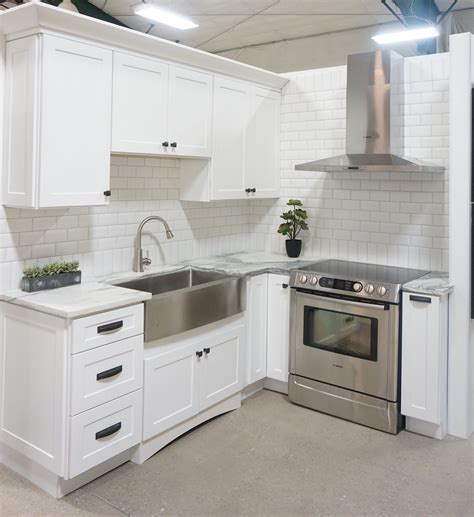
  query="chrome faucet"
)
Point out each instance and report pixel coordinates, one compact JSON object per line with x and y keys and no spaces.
{"x":139,"y":261}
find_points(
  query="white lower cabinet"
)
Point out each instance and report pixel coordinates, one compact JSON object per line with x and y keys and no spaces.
{"x":188,"y":376}
{"x":278,"y":327}
{"x":425,"y":363}
{"x":257,"y":314}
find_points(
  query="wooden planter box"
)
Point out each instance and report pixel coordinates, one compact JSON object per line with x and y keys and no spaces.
{"x":30,"y":285}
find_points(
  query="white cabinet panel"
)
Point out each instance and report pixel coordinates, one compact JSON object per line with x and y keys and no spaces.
{"x":63,"y":158}
{"x":231,"y":112}
{"x":424,"y":357}
{"x":262,"y":170}
{"x":105,"y":431}
{"x":140,"y":105}
{"x":221,"y":367}
{"x":278,"y":329}
{"x":106,"y":373}
{"x":190,"y":113}
{"x":257,"y":299}
{"x":171,"y":387}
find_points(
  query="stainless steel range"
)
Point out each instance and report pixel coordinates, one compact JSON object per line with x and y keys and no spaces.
{"x":344,"y":343}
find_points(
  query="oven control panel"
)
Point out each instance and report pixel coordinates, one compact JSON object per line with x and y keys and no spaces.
{"x":360,"y":288}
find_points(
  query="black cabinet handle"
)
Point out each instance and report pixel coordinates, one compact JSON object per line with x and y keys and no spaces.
{"x":207,"y":350}
{"x":253,"y":190}
{"x":107,"y":193}
{"x":421,"y":299}
{"x":165,"y":144}
{"x":199,"y":353}
{"x":108,"y":431}
{"x":247,"y":190}
{"x":109,"y":373}
{"x":174,"y":144}
{"x":109,"y":327}
{"x":285,"y":286}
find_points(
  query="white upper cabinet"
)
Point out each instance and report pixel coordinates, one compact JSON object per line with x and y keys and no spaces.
{"x":160,"y":108}
{"x":190,"y":113}
{"x":57,"y":123}
{"x":140,"y":105}
{"x":231,"y":109}
{"x":262,"y":170}
{"x":246,"y":147}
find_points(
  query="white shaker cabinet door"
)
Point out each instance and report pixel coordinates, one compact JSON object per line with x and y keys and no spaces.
{"x":171,"y":387}
{"x":257,"y":303}
{"x":424,"y":357}
{"x":190,"y":113}
{"x":221,"y":368}
{"x":140,"y":105}
{"x":262,"y":170}
{"x":76,"y":97}
{"x":231,"y":113}
{"x":278,"y":330}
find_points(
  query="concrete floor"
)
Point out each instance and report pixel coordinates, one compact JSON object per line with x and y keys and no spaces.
{"x":273,"y":458}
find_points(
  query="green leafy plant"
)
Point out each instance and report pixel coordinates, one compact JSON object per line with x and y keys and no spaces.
{"x":54,"y":268}
{"x":294,"y":220}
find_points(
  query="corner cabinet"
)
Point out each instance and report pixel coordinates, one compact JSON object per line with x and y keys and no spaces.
{"x":246,"y":147}
{"x":160,"y":109}
{"x":425,"y":363}
{"x":58,"y":99}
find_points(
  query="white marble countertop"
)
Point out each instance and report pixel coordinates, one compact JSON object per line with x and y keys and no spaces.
{"x":76,"y":301}
{"x":435,"y":283}
{"x":238,"y":264}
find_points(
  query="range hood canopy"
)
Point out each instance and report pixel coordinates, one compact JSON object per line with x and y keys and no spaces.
{"x":374,"y":119}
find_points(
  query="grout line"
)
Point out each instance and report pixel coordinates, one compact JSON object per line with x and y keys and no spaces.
{"x":110,"y":504}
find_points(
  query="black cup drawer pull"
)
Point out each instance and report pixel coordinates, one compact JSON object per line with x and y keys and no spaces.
{"x":207,"y":351}
{"x":422,"y":299}
{"x":109,"y":327}
{"x":108,"y":431}
{"x":109,"y":373}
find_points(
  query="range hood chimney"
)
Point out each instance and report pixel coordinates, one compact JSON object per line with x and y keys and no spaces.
{"x":374,"y":119}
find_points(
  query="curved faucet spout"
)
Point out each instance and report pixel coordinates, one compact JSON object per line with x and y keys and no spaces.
{"x":139,"y":261}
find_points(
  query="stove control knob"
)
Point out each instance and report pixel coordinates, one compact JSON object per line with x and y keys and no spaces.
{"x":369,"y":289}
{"x":303,"y":279}
{"x":381,"y":290}
{"x":357,"y":287}
{"x":313,"y":280}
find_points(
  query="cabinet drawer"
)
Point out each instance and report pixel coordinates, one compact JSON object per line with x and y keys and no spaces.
{"x":105,"y":431}
{"x":106,"y":373}
{"x":107,"y":327}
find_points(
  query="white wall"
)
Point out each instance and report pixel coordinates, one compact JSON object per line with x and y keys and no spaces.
{"x":388,"y":218}
{"x":102,"y":238}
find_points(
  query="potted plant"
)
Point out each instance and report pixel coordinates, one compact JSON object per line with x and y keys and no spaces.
{"x":50,"y":276}
{"x":294,"y":222}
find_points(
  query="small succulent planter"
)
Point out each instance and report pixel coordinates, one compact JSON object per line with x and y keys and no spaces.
{"x":50,"y":276}
{"x":40,"y":283}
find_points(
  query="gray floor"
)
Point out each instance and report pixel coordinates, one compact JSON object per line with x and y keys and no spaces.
{"x":274,"y":458}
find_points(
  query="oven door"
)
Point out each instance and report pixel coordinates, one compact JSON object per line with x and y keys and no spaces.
{"x":346,"y":343}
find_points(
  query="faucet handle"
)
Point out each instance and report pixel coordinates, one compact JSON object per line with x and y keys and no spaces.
{"x":146,"y":261}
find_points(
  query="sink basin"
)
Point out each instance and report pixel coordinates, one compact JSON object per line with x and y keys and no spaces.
{"x":187,"y":299}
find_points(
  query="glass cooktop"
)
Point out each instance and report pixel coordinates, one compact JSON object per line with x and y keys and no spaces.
{"x":362,"y":271}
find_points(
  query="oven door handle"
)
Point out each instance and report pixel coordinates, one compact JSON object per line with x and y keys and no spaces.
{"x":344,"y":302}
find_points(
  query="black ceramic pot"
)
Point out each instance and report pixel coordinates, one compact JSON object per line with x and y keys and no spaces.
{"x":293,"y":247}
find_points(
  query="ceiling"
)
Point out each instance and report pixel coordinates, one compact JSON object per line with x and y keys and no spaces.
{"x":229,"y":24}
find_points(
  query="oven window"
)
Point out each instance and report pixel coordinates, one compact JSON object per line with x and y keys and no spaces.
{"x":341,"y":333}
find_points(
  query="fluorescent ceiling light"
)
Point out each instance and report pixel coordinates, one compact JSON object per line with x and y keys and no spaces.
{"x":406,"y":35}
{"x":163,"y":16}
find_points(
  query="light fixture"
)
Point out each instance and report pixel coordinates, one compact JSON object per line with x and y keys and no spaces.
{"x":157,"y":14}
{"x":406,"y":35}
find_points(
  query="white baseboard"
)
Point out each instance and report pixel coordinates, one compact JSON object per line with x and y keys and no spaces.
{"x":426,"y":428}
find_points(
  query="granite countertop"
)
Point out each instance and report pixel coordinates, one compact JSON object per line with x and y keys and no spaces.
{"x":76,"y":301}
{"x":435,"y":283}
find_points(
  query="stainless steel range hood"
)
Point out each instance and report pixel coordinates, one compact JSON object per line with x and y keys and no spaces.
{"x":374,"y":119}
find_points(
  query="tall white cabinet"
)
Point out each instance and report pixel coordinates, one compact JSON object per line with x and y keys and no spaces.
{"x":47,"y":161}
{"x":425,"y":363}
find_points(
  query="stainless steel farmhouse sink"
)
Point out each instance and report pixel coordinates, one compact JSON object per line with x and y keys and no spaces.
{"x":187,"y":299}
